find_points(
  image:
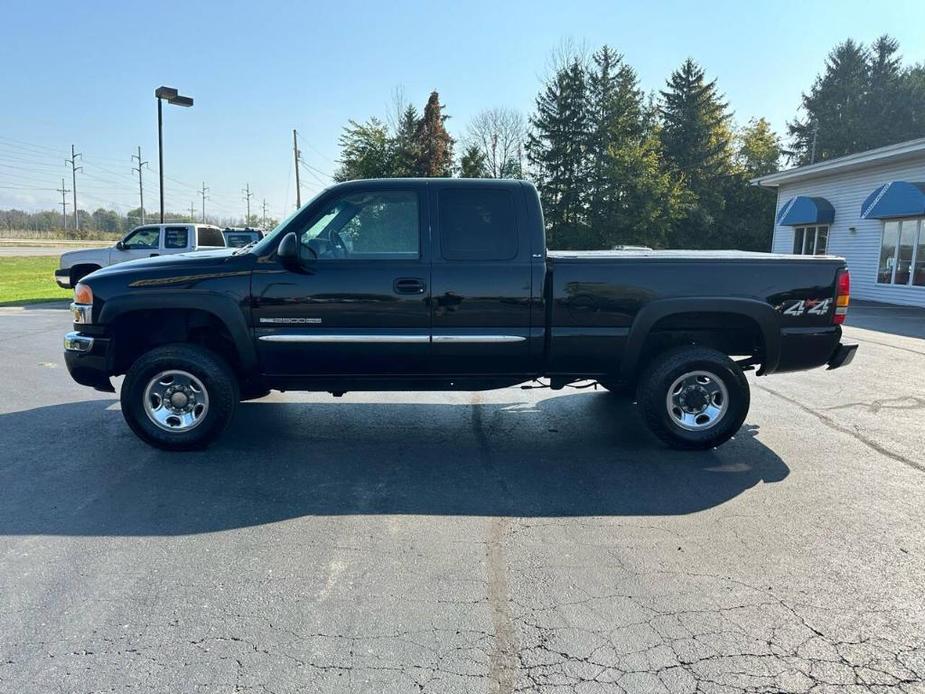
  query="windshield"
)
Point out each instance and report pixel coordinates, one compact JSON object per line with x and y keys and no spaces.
{"x":270,"y":239}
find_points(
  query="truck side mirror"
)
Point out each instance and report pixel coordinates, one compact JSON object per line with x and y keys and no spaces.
{"x":120,"y":246}
{"x":288,"y":250}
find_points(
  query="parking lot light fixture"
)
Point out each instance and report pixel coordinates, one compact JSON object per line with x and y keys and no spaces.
{"x":171,"y":96}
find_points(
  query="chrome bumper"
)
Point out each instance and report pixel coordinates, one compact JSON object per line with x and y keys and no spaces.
{"x":75,"y":342}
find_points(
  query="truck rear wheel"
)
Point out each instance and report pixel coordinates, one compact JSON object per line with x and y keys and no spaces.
{"x":179,"y":397}
{"x":693,"y":398}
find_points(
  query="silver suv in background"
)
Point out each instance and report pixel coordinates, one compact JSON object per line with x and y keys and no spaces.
{"x":141,"y":242}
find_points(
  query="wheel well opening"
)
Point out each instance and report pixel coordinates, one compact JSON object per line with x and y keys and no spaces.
{"x":78,"y":272}
{"x":137,"y":332}
{"x":734,"y":334}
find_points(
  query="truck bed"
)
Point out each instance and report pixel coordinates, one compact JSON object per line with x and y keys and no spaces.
{"x":594,"y":298}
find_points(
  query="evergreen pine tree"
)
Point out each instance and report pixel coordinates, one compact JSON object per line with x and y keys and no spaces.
{"x":434,"y":146}
{"x":615,"y":128}
{"x":695,"y":136}
{"x":835,"y":108}
{"x":556,"y":149}
{"x":472,"y":163}
{"x":405,"y":152}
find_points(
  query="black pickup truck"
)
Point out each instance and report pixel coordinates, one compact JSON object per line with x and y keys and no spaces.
{"x":446,"y":284}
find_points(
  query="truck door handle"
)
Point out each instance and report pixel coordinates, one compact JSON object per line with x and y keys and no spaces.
{"x":409,"y":285}
{"x":154,"y":254}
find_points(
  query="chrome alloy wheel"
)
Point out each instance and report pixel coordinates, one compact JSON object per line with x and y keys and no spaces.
{"x":697,"y":400}
{"x":176,"y":401}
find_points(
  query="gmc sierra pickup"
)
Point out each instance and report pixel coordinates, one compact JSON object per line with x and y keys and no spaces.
{"x":443,"y":284}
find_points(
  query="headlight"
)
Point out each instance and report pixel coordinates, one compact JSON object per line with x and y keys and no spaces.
{"x":82,"y":308}
{"x":83,"y":294}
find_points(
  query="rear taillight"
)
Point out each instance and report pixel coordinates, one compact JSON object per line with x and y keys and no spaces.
{"x":842,"y":296}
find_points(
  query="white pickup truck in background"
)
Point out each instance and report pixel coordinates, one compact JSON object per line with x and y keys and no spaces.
{"x":140,"y":242}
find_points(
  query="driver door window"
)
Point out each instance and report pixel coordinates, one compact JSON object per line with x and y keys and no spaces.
{"x":147,"y":238}
{"x":382,"y":225}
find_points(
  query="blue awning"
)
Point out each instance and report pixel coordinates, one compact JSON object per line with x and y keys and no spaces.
{"x":895,"y":199}
{"x":805,"y":210}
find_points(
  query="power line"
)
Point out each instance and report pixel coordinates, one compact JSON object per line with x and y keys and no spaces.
{"x":312,"y":170}
{"x":141,"y":190}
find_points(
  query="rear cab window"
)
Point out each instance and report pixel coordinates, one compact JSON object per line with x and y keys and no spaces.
{"x":176,"y":237}
{"x":209,"y":236}
{"x":477,"y":224}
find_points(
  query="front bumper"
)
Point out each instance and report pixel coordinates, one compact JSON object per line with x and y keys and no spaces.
{"x":842,"y":356}
{"x":88,"y":360}
{"x":63,"y":278}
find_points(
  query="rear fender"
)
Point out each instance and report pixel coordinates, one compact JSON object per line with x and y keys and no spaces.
{"x":763,"y":314}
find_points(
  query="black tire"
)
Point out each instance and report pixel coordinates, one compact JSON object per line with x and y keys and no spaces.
{"x":212,"y":372}
{"x":656,"y":383}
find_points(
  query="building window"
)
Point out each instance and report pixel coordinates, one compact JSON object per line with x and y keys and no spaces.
{"x":810,"y":240}
{"x":902,"y":253}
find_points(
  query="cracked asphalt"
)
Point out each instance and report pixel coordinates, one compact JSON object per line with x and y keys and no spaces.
{"x":506,"y":541}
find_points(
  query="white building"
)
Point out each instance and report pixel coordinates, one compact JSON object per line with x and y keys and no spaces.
{"x":868,"y":208}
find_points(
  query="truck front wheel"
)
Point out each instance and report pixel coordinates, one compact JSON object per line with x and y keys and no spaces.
{"x":179,"y":397}
{"x":693,"y":398}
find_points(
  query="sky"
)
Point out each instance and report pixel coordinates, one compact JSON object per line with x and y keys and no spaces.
{"x":84,"y":73}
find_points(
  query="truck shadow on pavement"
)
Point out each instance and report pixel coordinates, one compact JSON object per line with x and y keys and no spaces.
{"x":76,"y":469}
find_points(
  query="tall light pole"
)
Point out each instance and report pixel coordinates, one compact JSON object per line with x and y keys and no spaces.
{"x":170,"y":95}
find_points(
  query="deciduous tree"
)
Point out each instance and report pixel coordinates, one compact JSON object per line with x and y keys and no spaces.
{"x":499,"y":134}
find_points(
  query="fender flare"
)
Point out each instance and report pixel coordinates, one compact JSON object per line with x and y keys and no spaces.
{"x":763,"y":314}
{"x":224,"y":308}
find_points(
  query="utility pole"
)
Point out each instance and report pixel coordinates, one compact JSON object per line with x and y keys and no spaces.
{"x":264,"y":213}
{"x":141,"y":192}
{"x":202,"y":193}
{"x":191,"y":212}
{"x":247,"y":198}
{"x":298,"y":155}
{"x":74,"y":169}
{"x":64,"y":191}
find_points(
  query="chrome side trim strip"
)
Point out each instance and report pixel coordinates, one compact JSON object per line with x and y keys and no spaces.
{"x":405,"y":339}
{"x":345,"y":338}
{"x":471,"y":339}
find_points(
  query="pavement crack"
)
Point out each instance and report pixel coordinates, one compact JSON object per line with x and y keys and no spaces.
{"x":832,"y":424}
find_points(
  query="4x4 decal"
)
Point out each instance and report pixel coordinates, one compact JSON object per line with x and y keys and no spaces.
{"x":815,"y":307}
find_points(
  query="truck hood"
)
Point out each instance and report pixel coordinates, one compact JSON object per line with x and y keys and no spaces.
{"x":191,"y":260}
{"x":90,"y":256}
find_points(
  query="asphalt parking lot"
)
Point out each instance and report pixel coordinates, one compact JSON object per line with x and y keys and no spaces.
{"x":467,"y":542}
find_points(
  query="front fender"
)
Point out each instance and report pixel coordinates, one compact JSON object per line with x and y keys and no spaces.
{"x":89,"y":256}
{"x":221,"y":306}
